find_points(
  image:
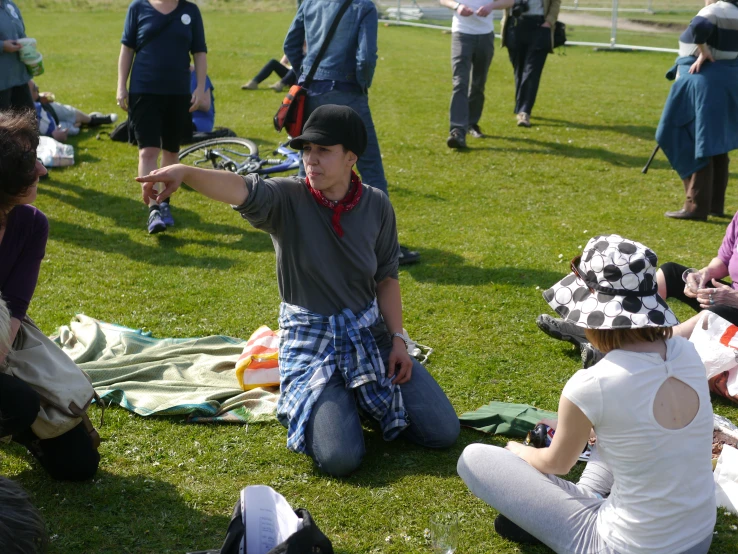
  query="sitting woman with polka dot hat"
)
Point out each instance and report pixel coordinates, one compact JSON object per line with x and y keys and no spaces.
{"x":648,"y":487}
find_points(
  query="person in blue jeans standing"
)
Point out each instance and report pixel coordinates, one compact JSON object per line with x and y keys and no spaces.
{"x":342,"y":350}
{"x":344,"y":74}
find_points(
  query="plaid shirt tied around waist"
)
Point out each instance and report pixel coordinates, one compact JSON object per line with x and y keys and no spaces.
{"x":312,"y":348}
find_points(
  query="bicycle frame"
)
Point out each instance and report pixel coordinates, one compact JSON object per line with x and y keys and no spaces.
{"x":292,"y":162}
{"x":224,"y":156}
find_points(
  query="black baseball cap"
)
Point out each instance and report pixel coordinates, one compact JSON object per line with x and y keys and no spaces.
{"x":332,"y":124}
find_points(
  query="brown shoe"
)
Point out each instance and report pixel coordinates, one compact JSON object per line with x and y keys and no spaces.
{"x":523,"y":119}
{"x":684,"y":214}
{"x":251,"y":85}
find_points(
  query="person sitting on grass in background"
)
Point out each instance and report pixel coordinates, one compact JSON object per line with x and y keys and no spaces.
{"x":282,"y":68}
{"x":704,"y":291}
{"x":342,"y":349}
{"x":648,"y":486}
{"x":203,"y":118}
{"x":60,"y":121}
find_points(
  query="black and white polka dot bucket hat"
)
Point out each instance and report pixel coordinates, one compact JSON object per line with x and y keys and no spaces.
{"x":612,"y":286}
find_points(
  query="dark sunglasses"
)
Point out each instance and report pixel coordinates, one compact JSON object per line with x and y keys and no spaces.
{"x":575,"y":269}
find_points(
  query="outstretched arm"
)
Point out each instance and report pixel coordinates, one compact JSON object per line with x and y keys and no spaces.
{"x":222,"y":186}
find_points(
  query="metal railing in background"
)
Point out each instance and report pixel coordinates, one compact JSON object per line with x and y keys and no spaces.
{"x":429,"y":14}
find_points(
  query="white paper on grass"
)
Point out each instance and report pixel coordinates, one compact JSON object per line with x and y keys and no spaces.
{"x":709,"y":337}
{"x":268,"y":518}
{"x":726,"y":479}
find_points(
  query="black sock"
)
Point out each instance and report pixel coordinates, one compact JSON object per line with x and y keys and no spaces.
{"x":154,"y":207}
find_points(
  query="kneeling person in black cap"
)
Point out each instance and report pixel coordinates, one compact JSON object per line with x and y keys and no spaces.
{"x":342,"y":349}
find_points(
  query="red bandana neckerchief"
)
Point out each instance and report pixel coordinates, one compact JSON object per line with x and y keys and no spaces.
{"x":342,"y":206}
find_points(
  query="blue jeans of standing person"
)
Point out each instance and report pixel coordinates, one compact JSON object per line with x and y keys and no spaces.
{"x":471,"y":56}
{"x":370,"y":164}
{"x":334,"y":437}
{"x":528,"y":45}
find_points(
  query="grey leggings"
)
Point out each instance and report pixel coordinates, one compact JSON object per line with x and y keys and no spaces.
{"x":561,"y":514}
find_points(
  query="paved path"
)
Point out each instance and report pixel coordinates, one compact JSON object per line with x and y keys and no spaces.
{"x":589,"y":20}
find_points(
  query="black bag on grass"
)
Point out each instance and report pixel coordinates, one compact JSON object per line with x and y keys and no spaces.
{"x":122,"y":133}
{"x":308,"y":540}
{"x":217,"y":132}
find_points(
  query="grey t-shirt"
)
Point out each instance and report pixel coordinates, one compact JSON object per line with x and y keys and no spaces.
{"x":13,"y":71}
{"x":317,"y":269}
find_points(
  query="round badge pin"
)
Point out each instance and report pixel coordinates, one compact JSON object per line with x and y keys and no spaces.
{"x":186,"y":19}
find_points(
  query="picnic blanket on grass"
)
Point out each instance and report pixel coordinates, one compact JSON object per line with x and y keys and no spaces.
{"x":149,"y":376}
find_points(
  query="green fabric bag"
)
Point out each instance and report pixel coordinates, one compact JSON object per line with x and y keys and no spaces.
{"x":503,"y":418}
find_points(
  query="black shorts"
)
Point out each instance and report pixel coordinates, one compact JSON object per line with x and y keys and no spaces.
{"x":160,"y":120}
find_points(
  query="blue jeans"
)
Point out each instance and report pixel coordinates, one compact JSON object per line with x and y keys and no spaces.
{"x":334,"y":437}
{"x":370,"y":163}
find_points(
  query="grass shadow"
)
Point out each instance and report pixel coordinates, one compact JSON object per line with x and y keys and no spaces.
{"x":447,"y":268}
{"x":388,"y":462}
{"x":571,"y":151}
{"x":407,"y":192}
{"x":115,"y":242}
{"x":647,"y":132}
{"x":120,"y":507}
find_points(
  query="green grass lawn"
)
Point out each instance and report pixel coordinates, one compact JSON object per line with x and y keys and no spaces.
{"x":494,"y":225}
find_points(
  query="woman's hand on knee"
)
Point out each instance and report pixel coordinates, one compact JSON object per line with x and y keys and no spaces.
{"x":400,"y":363}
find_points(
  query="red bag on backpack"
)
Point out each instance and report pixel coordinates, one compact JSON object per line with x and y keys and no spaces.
{"x":291,"y":114}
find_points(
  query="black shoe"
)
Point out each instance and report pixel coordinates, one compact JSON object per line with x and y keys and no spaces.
{"x":97,"y":119}
{"x":475,"y":131}
{"x":684,"y":214}
{"x":408,"y":256}
{"x":508,"y":530}
{"x":561,"y":330}
{"x":590,"y":355}
{"x":721,"y":213}
{"x":456,"y":139}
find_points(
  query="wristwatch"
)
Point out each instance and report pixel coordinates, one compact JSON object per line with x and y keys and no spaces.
{"x":457,"y":6}
{"x":404,"y":339}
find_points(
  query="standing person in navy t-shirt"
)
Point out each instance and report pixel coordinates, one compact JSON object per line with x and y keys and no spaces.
{"x":203,"y":118}
{"x":158,"y":38}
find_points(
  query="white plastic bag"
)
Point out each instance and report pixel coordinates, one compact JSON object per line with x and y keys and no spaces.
{"x":53,"y":153}
{"x":716,"y":341}
{"x":726,"y":479}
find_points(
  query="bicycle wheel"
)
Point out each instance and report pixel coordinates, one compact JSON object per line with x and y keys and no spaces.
{"x":238,"y":155}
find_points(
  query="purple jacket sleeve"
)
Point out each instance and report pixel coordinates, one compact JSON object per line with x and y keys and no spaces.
{"x":728,"y":246}
{"x":21,"y":282}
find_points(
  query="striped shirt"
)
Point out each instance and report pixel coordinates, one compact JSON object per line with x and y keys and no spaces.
{"x":716,"y":25}
{"x":312,"y":348}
